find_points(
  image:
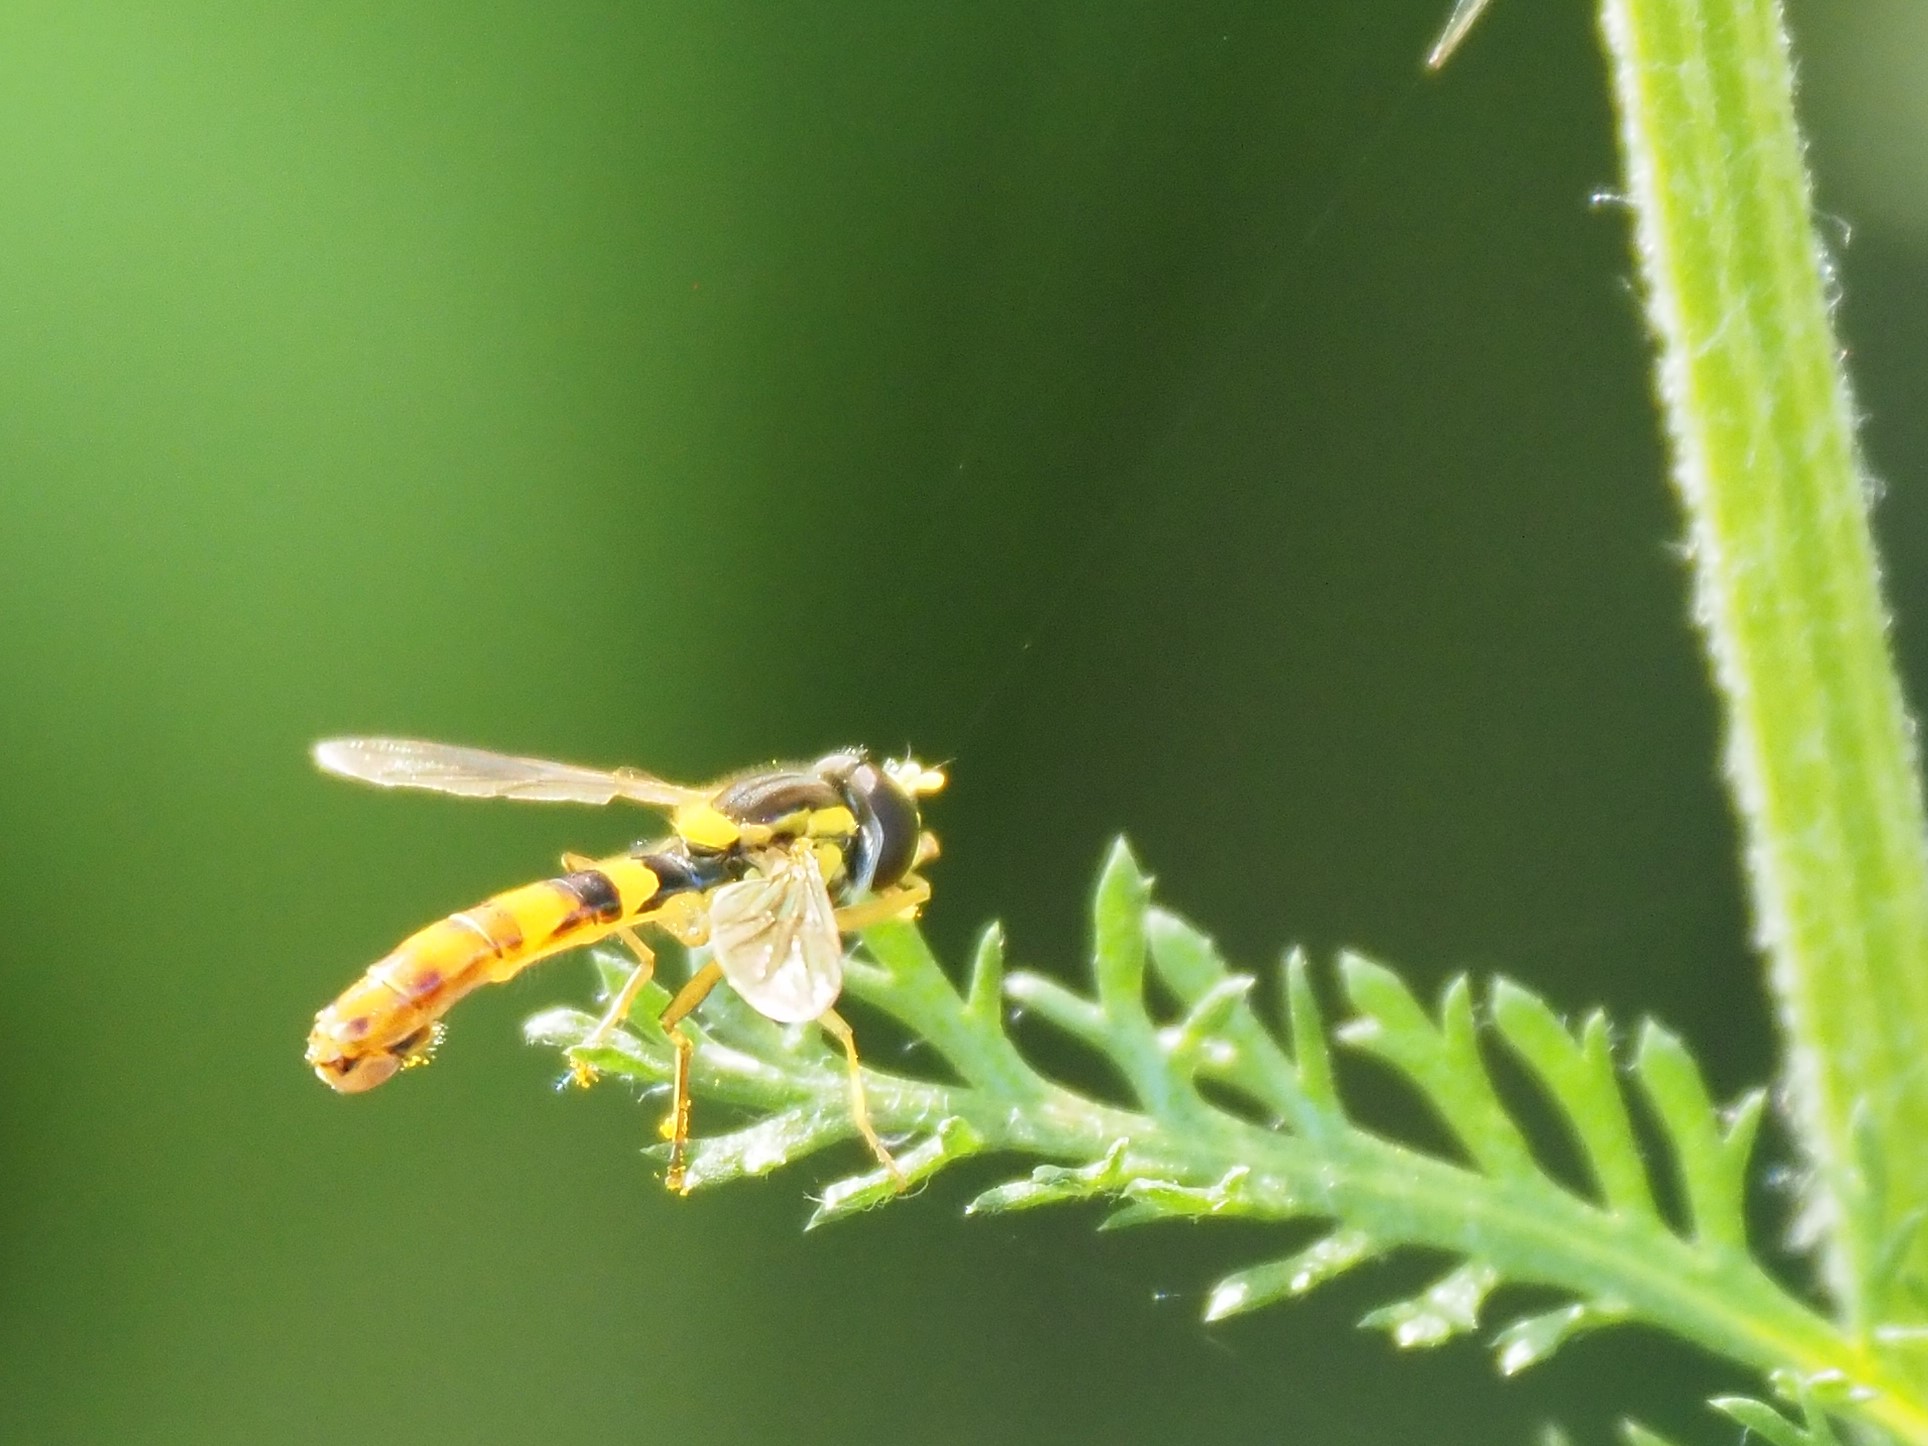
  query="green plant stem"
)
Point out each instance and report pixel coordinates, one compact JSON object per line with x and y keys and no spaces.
{"x":1820,"y":757}
{"x":1731,"y":1308}
{"x":1180,"y":1155}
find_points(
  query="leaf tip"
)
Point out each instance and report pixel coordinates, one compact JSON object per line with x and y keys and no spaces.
{"x":1228,"y":1298}
{"x":1123,"y":883}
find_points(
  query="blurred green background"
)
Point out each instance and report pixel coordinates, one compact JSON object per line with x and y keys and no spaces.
{"x":1185,"y":418}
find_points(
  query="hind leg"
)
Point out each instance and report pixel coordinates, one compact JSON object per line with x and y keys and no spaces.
{"x":677,"y":1127}
{"x":834,"y":1026}
{"x":580,"y":1070}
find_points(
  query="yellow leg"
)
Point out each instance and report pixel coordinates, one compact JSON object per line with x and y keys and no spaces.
{"x":583,"y":1072}
{"x":834,"y":1026}
{"x":677,"y":1127}
{"x":902,"y":901}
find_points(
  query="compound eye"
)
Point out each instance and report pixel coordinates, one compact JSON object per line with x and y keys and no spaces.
{"x":891,"y":825}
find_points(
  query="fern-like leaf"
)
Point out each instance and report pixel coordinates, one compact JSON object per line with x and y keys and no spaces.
{"x":1221,"y":1114}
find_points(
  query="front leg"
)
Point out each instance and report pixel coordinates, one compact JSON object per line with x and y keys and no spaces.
{"x":901,"y":900}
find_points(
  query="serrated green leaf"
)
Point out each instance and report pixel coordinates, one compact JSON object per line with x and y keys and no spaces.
{"x":612,"y":971}
{"x":1763,"y":1420}
{"x":954,"y":1139}
{"x":1309,"y":1040}
{"x":1482,"y":1122}
{"x":1063,"y":1008}
{"x":984,"y":998}
{"x":1177,"y":1153}
{"x":1127,"y":1035}
{"x":1818,"y":1391}
{"x":1382,"y":1004}
{"x":767,"y":1145}
{"x":626,"y":1057}
{"x":1820,"y":1429}
{"x":1186,"y":959}
{"x":1443,"y":1061}
{"x":1531,"y":1339}
{"x":1188,"y":963}
{"x":1229,"y":1195}
{"x":1712,"y":1161}
{"x":1149,"y":1201}
{"x":1118,"y":944}
{"x":1198,"y":1041}
{"x":558,"y":1028}
{"x":901,"y":951}
{"x":1447,"y":1308}
{"x":1276,"y":1280}
{"x":1129,"y":1217}
{"x":1052,"y":1184}
{"x":919,"y":995}
{"x":1579,"y":1076}
{"x":624,"y":1054}
{"x":1024,"y":1194}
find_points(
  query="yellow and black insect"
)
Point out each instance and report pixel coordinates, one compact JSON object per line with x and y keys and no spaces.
{"x":769,"y":868}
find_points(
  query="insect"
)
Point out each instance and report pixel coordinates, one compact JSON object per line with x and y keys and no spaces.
{"x":770,"y":868}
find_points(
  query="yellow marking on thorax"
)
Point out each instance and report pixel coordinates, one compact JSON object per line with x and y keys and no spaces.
{"x":830,"y":860}
{"x":835,"y":821}
{"x":706,"y":826}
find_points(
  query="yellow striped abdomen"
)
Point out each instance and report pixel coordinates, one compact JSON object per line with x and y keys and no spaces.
{"x":386,"y":1020}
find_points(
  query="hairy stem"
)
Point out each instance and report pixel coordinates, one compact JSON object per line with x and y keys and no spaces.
{"x":1820,"y":756}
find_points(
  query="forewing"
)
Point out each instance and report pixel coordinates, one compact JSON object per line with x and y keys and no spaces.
{"x":478,"y":773}
{"x":777,"y":942}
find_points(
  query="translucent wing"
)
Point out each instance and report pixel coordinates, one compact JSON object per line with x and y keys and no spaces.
{"x":477,"y":773}
{"x":777,"y":942}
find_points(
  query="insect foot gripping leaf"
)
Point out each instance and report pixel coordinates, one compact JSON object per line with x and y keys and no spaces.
{"x":1224,"y":1114}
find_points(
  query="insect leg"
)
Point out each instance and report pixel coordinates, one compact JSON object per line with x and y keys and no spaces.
{"x":583,"y":1072}
{"x":580,"y":1070}
{"x":834,"y":1026}
{"x":901,"y":901}
{"x":677,"y":1127}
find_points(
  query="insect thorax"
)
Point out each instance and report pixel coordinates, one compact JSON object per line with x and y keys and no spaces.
{"x":843,"y":799}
